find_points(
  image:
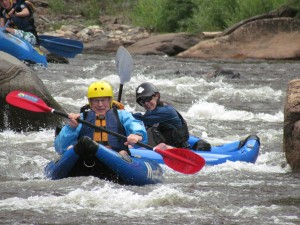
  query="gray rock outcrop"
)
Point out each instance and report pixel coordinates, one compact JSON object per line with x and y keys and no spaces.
{"x":276,"y":38}
{"x":15,"y":75}
{"x":164,"y":44}
{"x":291,"y":132}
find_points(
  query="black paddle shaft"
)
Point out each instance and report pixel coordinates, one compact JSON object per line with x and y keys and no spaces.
{"x":120,"y":92}
{"x":100,"y":128}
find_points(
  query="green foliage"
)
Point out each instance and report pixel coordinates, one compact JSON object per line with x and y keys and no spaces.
{"x":220,"y":14}
{"x":172,"y":15}
{"x":175,"y":14}
{"x":295,"y":4}
{"x":57,"y":6}
{"x":148,"y":13}
{"x":247,"y":9}
{"x":117,"y":7}
{"x":198,"y":15}
{"x":162,"y":15}
{"x":90,"y":9}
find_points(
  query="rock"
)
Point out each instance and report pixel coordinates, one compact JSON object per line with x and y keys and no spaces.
{"x":101,"y":45}
{"x":284,"y":11}
{"x":52,"y":58}
{"x":15,"y":75}
{"x":110,"y":40}
{"x":261,"y":39}
{"x":164,"y":44}
{"x":210,"y":35}
{"x":291,"y":131}
{"x":225,"y":73}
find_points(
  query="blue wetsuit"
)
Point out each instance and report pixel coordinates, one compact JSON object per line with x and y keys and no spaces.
{"x":169,"y":123}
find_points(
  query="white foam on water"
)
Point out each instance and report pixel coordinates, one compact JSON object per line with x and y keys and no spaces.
{"x":248,"y":212}
{"x":74,"y":102}
{"x":105,"y":199}
{"x":251,"y":93}
{"x":179,"y":86}
{"x":91,"y":68}
{"x":41,"y":136}
{"x":113,"y":79}
{"x":267,"y":163}
{"x":206,"y":110}
{"x":23,"y":155}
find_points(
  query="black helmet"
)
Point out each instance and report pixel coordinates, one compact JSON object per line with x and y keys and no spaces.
{"x":145,"y":90}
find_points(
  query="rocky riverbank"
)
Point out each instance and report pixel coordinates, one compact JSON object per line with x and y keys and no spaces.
{"x":274,"y":35}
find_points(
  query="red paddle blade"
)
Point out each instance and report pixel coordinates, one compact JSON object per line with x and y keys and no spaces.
{"x":182,"y":160}
{"x":25,"y":100}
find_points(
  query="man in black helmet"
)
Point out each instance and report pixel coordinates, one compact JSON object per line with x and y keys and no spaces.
{"x":164,"y":124}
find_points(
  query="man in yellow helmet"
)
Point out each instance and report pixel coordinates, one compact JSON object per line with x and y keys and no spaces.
{"x":101,"y":113}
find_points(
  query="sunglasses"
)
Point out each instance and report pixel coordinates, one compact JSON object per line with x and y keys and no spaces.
{"x":142,"y":101}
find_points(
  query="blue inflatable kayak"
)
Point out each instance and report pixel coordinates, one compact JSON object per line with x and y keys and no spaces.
{"x":21,"y":49}
{"x":107,"y":164}
{"x":245,"y":150}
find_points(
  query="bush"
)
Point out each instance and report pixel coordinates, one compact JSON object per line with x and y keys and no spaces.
{"x":220,"y":14}
{"x":162,"y":15}
{"x":57,"y":6}
{"x":198,"y":15}
{"x":172,"y":15}
{"x":175,"y":15}
{"x":90,"y":9}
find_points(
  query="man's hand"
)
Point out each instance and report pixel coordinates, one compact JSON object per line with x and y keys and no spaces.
{"x":73,"y":119}
{"x":133,"y":139}
{"x":163,"y":146}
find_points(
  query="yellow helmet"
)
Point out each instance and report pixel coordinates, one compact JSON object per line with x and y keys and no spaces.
{"x":100,"y":89}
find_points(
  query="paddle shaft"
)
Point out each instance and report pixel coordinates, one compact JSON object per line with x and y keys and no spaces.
{"x":99,"y":128}
{"x":120,"y":92}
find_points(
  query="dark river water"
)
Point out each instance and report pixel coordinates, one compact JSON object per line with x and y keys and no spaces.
{"x":218,"y":109}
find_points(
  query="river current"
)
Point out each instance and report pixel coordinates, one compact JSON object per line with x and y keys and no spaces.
{"x":218,"y":109}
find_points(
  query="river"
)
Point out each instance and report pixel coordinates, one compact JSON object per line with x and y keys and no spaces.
{"x":218,"y":109}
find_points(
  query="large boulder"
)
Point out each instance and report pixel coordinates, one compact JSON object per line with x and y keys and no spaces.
{"x":164,"y":44}
{"x":276,"y":38}
{"x":15,"y":75}
{"x":291,"y":132}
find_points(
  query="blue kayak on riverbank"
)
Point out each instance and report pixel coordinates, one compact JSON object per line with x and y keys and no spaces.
{"x":21,"y":49}
{"x":106,"y":164}
{"x":245,"y":150}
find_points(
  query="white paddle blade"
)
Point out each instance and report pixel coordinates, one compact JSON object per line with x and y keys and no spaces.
{"x":124,"y":64}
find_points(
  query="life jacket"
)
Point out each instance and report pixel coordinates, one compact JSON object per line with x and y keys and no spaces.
{"x":84,"y":109}
{"x":110,"y":121}
{"x":170,"y":134}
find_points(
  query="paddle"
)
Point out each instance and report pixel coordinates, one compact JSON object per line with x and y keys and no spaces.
{"x":181,"y":160}
{"x":61,"y":46}
{"x":124,"y":65}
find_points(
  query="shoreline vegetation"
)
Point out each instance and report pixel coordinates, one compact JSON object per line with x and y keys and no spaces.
{"x":164,"y":16}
